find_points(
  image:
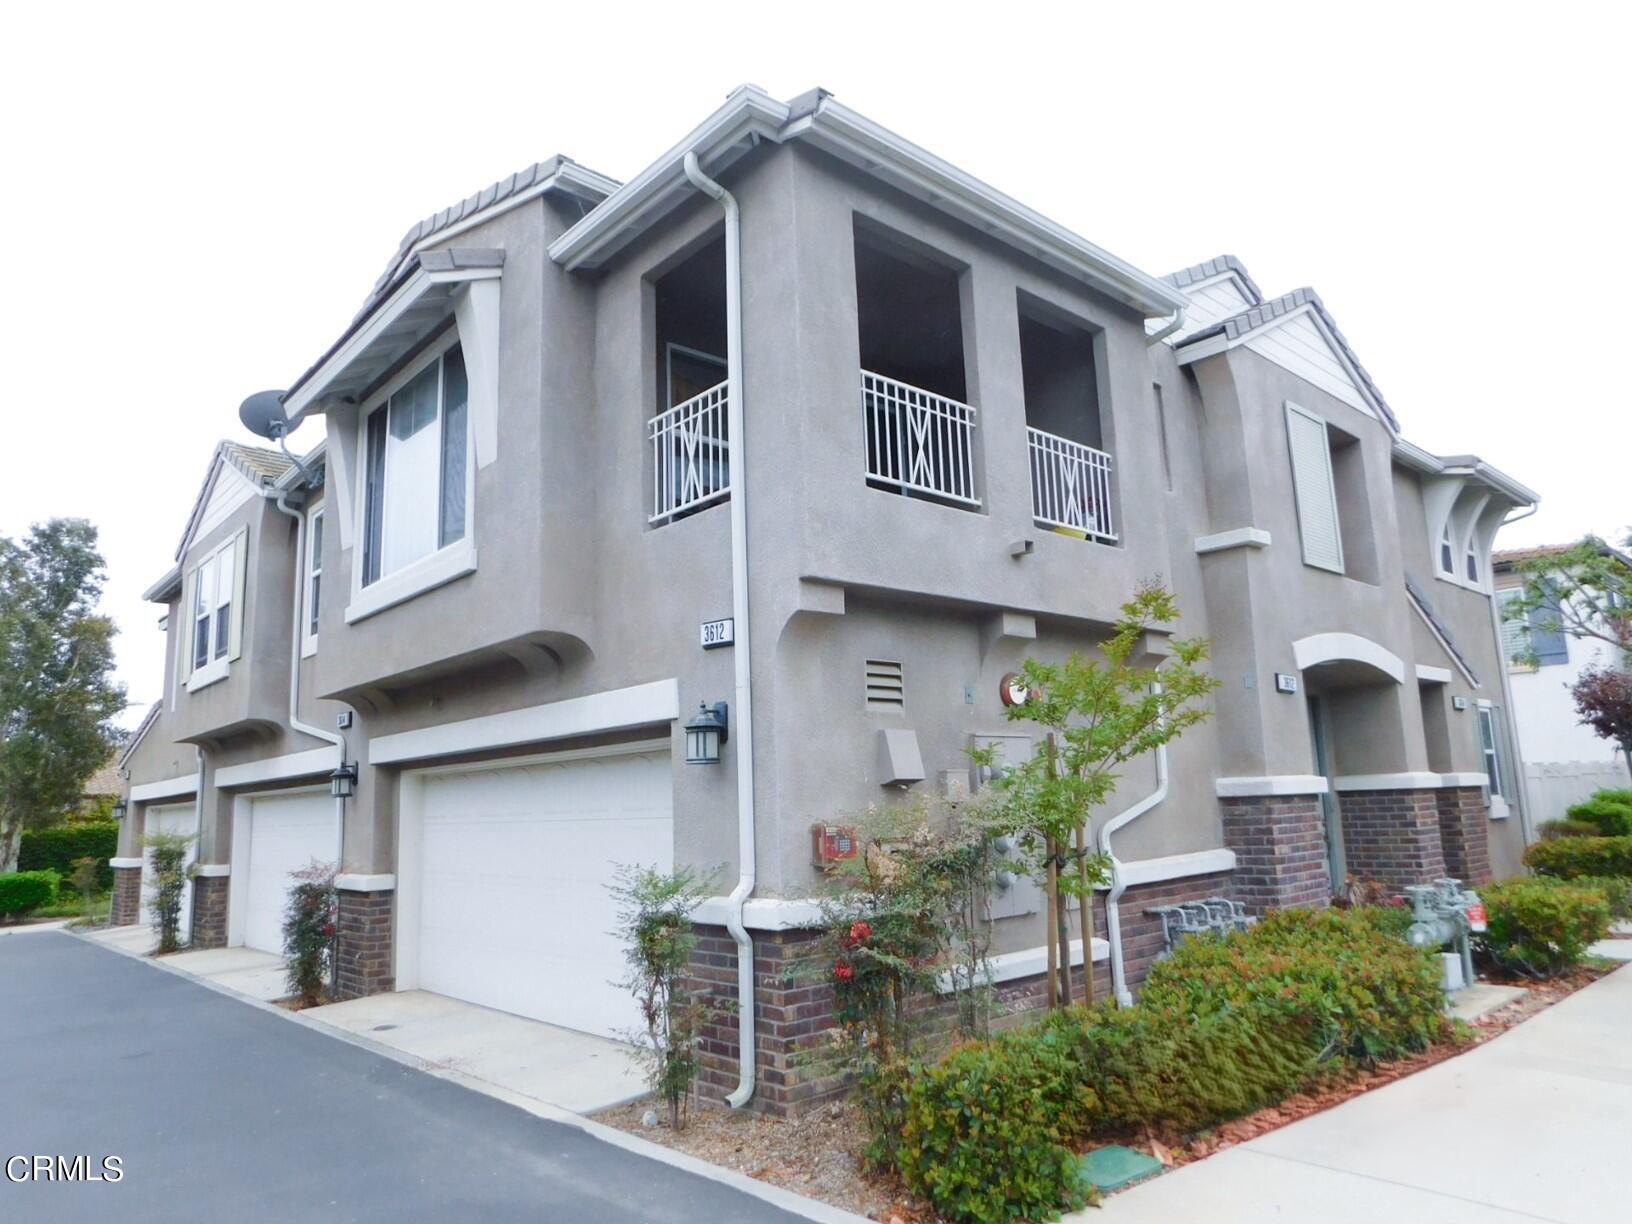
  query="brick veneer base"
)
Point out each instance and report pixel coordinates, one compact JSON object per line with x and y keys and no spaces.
{"x":1464,"y":832}
{"x":210,"y":912}
{"x":1280,"y":850}
{"x":1392,"y":836}
{"x":363,"y":939}
{"x":127,"y":896}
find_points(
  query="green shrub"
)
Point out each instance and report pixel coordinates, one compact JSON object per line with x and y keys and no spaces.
{"x":1622,"y":796}
{"x":1368,"y":992}
{"x":984,"y":1129}
{"x":1551,"y":830}
{"x":57,"y":848}
{"x":1616,"y":890}
{"x":167,"y":854}
{"x":1540,"y":927}
{"x":1569,"y":857}
{"x":22,"y":892}
{"x":1609,"y":818}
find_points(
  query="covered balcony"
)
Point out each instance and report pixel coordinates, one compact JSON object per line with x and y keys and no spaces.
{"x":689,"y":436}
{"x":1071,"y":487}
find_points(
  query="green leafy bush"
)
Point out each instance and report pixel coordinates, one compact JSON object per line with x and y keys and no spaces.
{"x":984,"y":1130}
{"x":1616,"y":890}
{"x":1569,"y":857}
{"x":1608,"y":817}
{"x":1551,"y":830}
{"x":56,"y":849}
{"x":308,"y":930}
{"x":1541,"y":927}
{"x":22,"y":892}
{"x":1622,"y":796}
{"x":167,"y":857}
{"x":1369,"y":994}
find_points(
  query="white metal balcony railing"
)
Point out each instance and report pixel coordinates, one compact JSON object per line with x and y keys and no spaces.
{"x":690,"y":461}
{"x":918,"y":441}
{"x":1070,"y":485}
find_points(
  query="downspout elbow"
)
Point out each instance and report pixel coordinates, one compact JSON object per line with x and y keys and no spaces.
{"x":1172,"y":325}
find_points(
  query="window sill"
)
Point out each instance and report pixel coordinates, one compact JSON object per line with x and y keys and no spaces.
{"x":308,"y":648}
{"x":426,"y":574}
{"x":1454,"y":580}
{"x":210,"y":673}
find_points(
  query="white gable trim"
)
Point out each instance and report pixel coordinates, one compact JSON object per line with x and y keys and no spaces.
{"x":1200,"y":314}
{"x":223,"y":500}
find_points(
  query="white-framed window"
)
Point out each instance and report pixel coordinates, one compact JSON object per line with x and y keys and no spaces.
{"x":1447,"y":551}
{"x":1490,"y":746}
{"x":416,"y":444}
{"x":314,"y":580}
{"x":214,"y":586}
{"x":1470,"y":562}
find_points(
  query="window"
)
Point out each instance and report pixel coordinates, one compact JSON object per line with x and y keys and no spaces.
{"x":1471,"y":563}
{"x":214,"y":591}
{"x":1488,"y":745}
{"x":415,"y":468}
{"x":1515,"y":632}
{"x":1535,"y":638}
{"x":1315,"y":489}
{"x":1447,"y":553}
{"x":314,"y":579}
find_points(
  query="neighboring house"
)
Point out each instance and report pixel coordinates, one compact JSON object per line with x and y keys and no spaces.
{"x":1564,"y":760}
{"x":969,"y":435}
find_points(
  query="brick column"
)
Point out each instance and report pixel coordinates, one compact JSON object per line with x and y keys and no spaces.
{"x":210,"y":911}
{"x":792,"y":1009}
{"x":1464,"y":832}
{"x":127,"y":897}
{"x":1280,"y":850}
{"x":1392,"y":836}
{"x":363,"y":942}
{"x":1142,"y":940}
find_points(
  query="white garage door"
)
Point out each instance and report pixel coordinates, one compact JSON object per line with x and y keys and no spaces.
{"x":286,"y":832}
{"x":173,"y":818}
{"x":515,"y":860}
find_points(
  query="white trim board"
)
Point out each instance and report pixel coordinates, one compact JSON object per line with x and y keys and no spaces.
{"x":1237,"y":537}
{"x":165,"y":788}
{"x":1344,"y":647}
{"x":762,"y":913}
{"x":352,"y":881}
{"x":612,"y":710}
{"x":213,"y":869}
{"x":1028,"y":962}
{"x":276,"y":769}
{"x":1464,"y":779}
{"x":1433,"y":675}
{"x":1386,"y":781}
{"x":1175,"y":867}
{"x":124,"y":864}
{"x":1270,"y":784}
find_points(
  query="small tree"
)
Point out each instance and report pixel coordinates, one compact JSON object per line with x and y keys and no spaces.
{"x":654,"y":921}
{"x":87,"y":871}
{"x":1603,"y":698}
{"x":1096,"y":715}
{"x":1584,"y":592}
{"x":167,"y":856}
{"x":308,"y":931}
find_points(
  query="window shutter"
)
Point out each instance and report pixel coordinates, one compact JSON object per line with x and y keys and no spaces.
{"x":184,"y":630}
{"x":240,"y":555}
{"x":1515,"y":633}
{"x":1316,"y":493}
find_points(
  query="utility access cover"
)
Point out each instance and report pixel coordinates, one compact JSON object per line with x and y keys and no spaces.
{"x":1111,"y":1168}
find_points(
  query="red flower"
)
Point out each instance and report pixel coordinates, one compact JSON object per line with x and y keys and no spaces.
{"x":843,"y":972}
{"x":860,"y":932}
{"x":328,"y":928}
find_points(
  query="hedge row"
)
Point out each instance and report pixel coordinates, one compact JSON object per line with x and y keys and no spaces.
{"x":56,"y":848}
{"x":1224,"y":1026}
{"x":22,"y":892}
{"x":1568,"y":857}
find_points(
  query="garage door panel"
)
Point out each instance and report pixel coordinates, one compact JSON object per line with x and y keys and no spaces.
{"x":286,"y":833}
{"x":514,"y":910}
{"x":179,"y":818}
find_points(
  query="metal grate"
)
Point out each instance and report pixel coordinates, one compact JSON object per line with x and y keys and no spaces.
{"x":918,"y":441}
{"x":886,"y":687}
{"x":690,"y":460}
{"x":1070,"y":485}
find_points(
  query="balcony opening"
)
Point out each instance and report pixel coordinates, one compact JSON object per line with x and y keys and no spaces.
{"x":1070,"y":466}
{"x":914,"y":387}
{"x":688,"y":433}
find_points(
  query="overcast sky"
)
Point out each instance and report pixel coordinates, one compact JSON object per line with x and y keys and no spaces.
{"x":197,"y":199}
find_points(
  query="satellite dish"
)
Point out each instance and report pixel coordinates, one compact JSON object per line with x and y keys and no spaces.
{"x":262,"y":414}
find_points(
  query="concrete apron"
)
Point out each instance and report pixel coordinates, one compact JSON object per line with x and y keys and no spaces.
{"x":1531,"y":1125}
{"x":570,"y":1070}
{"x":490,"y":1051}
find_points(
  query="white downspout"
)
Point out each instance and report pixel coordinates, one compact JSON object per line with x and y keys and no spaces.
{"x":743,"y":717}
{"x":1167,"y":329}
{"x":1113,"y":910}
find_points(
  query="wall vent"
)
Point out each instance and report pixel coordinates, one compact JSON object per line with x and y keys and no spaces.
{"x":886,"y":690}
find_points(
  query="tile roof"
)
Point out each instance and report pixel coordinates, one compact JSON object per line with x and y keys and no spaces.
{"x":1266,"y":313}
{"x":142,"y":729}
{"x":1209,"y":268}
{"x":1426,"y":607}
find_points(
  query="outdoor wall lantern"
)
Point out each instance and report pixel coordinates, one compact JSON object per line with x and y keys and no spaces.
{"x":120,"y":807}
{"x":343,"y":781}
{"x":706,"y":732}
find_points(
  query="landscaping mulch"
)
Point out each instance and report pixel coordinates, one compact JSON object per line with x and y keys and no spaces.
{"x":819,"y":1153}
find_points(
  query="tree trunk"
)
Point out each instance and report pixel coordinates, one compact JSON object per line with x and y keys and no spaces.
{"x":11,"y":840}
{"x":1053,"y":895}
{"x":1062,"y":925}
{"x":1086,"y":904}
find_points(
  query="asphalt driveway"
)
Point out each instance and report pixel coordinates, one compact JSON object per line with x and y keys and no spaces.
{"x":221,"y":1111}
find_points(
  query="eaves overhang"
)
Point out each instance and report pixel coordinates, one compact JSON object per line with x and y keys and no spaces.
{"x":750,"y":115}
{"x":420,"y":305}
{"x":1413,"y":456}
{"x":166,"y":588}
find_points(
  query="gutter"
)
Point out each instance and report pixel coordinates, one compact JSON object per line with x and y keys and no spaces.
{"x":742,"y":651}
{"x":1113,"y":899}
{"x":1156,"y":337}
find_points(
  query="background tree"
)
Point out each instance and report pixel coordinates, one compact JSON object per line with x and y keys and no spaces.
{"x":1096,"y":715}
{"x":57,"y":697}
{"x":1584,"y":591}
{"x":1603,"y":698}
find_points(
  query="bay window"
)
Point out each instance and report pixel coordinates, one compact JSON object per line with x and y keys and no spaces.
{"x":215,"y":587}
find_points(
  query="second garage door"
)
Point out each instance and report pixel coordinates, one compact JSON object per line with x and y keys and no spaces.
{"x":286,"y":832}
{"x":179,"y":818}
{"x":515,"y":862}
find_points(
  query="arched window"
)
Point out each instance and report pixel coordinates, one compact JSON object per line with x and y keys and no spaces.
{"x":1472,"y":563}
{"x":1447,"y":555}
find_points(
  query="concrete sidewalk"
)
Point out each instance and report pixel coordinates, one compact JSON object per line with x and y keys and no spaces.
{"x":1533,"y":1125}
